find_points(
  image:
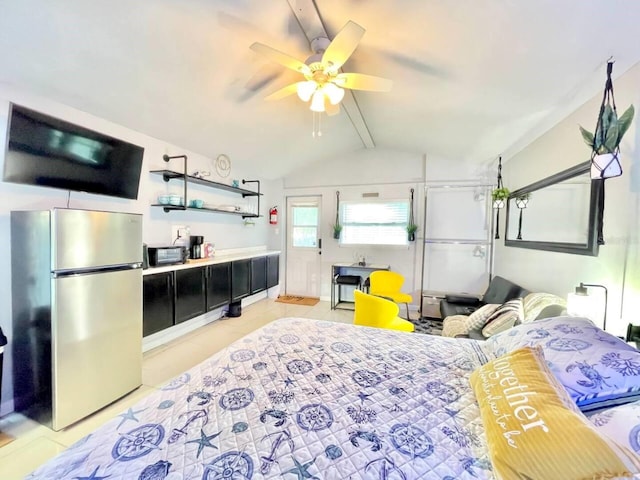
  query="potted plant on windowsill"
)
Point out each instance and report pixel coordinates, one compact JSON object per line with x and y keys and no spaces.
{"x":412,"y":228}
{"x":605,"y":143}
{"x":337,"y":229}
{"x":499,"y":196}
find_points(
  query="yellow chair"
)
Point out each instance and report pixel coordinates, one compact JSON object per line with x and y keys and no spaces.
{"x":388,"y":284}
{"x":372,"y":311}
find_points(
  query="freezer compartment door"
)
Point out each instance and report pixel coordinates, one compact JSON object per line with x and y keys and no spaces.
{"x":83,"y":239}
{"x":96,"y":342}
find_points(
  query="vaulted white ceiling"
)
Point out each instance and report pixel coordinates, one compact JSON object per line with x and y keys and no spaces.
{"x":472,"y":78}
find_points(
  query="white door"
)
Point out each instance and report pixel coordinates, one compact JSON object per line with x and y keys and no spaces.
{"x":304,"y":246}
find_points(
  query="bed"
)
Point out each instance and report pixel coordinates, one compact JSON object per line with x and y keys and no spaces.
{"x":309,"y":399}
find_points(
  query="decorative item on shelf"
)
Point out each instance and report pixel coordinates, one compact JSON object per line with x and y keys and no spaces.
{"x":605,"y":141}
{"x":222,"y":165}
{"x":200,"y":174}
{"x":521,"y":203}
{"x":337,"y":228}
{"x":499,"y":196}
{"x":412,"y":228}
{"x":580,"y":303}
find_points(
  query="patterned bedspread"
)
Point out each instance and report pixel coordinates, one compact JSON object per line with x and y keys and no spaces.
{"x":300,"y":399}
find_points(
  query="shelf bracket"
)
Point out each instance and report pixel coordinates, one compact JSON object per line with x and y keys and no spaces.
{"x":258,"y":196}
{"x":166,"y":158}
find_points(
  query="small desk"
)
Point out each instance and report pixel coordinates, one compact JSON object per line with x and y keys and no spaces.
{"x":349,"y":269}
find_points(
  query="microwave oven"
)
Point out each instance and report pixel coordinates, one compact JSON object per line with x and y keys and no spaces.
{"x":160,"y":256}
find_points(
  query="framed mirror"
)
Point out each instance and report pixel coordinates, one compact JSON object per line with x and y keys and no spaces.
{"x":558,"y":213}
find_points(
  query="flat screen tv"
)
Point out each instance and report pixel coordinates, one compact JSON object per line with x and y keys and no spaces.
{"x":49,"y":152}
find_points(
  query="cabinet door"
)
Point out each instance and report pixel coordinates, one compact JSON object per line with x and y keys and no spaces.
{"x":190,"y":293}
{"x":273,"y":270}
{"x":218,"y":285}
{"x":240,"y":279}
{"x":258,"y":274}
{"x":157,"y":302}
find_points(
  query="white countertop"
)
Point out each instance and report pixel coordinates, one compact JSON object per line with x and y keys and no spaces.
{"x":210,"y":261}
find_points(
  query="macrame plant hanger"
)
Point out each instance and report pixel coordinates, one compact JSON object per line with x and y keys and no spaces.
{"x":600,"y":170}
{"x":500,"y":185}
{"x":411,"y":235}
{"x":336,"y":225}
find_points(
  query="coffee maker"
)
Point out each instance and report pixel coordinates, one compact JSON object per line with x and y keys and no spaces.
{"x":196,"y":249}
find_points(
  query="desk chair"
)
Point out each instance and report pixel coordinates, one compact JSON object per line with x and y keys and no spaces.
{"x":388,"y":284}
{"x":372,"y":311}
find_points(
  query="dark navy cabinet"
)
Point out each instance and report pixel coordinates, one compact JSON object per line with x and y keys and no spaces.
{"x":157,"y":303}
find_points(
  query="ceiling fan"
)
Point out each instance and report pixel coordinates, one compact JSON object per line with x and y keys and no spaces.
{"x":324,"y":84}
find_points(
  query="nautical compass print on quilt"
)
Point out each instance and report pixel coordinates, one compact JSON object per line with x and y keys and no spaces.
{"x":300,"y":399}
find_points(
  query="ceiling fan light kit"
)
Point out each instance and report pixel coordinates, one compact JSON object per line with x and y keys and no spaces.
{"x":324,"y":85}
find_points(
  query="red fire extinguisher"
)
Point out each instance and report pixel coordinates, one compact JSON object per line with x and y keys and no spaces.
{"x":273,"y":215}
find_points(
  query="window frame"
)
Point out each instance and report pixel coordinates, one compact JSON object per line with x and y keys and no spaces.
{"x":347,"y":203}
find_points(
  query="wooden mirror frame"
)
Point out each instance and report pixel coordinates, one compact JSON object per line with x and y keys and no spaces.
{"x":589,"y":248}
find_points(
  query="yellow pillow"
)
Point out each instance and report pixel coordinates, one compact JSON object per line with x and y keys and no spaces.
{"x":533,"y":428}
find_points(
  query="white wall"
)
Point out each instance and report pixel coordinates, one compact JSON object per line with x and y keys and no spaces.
{"x":226,"y":231}
{"x":617,"y":265}
{"x":390,"y":174}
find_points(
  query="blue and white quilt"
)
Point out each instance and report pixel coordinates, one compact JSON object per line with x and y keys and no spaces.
{"x":300,"y":399}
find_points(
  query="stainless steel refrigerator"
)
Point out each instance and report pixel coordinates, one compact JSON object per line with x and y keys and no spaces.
{"x":77,"y":311}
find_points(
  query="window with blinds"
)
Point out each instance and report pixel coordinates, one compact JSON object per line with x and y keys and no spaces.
{"x":374,"y":223}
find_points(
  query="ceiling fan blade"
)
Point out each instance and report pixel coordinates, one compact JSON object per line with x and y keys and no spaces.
{"x":281,"y":58}
{"x":342,"y":46}
{"x":359,"y":81}
{"x":283,"y":92}
{"x":331,"y":109}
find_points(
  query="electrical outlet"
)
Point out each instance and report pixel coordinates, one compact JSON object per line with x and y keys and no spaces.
{"x":179,"y":234}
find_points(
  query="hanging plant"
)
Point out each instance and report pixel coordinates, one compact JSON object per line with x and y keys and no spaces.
{"x":499,"y":197}
{"x":412,"y":228}
{"x":337,"y":228}
{"x":604,"y":142}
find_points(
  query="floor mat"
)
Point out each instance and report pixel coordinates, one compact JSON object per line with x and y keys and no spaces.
{"x":296,"y":300}
{"x":428,"y":326}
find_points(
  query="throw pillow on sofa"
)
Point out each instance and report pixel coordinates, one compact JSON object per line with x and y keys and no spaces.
{"x":461,"y":325}
{"x":503,"y":318}
{"x":542,"y":305}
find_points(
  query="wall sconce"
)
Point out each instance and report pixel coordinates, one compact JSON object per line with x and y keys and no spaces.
{"x":521,"y":203}
{"x":581,"y":304}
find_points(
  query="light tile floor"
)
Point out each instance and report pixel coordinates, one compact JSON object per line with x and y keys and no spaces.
{"x":34,"y":444}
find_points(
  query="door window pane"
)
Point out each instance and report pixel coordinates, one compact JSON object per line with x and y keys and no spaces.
{"x":305,"y":236}
{"x":305,"y":226}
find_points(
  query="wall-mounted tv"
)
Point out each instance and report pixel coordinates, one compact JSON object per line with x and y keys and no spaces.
{"x":49,"y":152}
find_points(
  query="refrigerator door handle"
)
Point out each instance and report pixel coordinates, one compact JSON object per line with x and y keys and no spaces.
{"x":94,"y":270}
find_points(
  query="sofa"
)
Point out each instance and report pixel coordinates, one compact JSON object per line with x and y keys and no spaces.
{"x":503,"y":305}
{"x":500,"y":290}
